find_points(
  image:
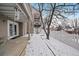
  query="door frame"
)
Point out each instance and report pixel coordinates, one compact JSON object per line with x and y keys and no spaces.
{"x":8,"y":28}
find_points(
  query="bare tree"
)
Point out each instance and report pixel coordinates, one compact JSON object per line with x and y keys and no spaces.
{"x":51,"y":11}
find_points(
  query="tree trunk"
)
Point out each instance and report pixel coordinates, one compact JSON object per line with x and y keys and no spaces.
{"x":47,"y":35}
{"x":48,"y":32}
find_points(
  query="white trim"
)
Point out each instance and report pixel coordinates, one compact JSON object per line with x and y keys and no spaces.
{"x":14,"y":23}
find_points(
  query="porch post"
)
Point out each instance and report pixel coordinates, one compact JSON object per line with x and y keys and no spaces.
{"x":28,"y":30}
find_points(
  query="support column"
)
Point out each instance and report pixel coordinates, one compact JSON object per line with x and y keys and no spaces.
{"x":28,"y":30}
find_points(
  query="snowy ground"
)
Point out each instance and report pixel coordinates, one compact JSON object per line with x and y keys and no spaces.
{"x":69,"y":39}
{"x":39,"y":46}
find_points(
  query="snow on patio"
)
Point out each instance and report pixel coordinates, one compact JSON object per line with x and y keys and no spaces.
{"x":39,"y":46}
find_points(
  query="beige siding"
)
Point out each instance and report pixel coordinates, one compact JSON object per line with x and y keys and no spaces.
{"x":30,"y":22}
{"x":3,"y":29}
{"x":20,"y":29}
{"x":24,"y":28}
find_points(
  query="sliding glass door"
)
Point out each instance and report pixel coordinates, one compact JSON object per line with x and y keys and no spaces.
{"x":12,"y":29}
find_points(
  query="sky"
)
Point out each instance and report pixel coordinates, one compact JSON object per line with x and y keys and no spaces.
{"x":73,"y":16}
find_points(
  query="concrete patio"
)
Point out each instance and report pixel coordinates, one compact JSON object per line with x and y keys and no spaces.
{"x":14,"y":47}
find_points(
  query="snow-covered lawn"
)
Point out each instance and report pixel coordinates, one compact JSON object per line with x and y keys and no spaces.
{"x":61,"y":49}
{"x":39,"y":46}
{"x":69,"y":39}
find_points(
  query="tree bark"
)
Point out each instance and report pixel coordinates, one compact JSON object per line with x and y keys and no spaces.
{"x":48,"y":32}
{"x":47,"y":36}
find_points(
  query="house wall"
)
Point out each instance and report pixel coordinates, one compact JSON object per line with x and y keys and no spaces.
{"x":27,"y":24}
{"x":30,"y":20}
{"x":24,"y":28}
{"x":20,"y":29}
{"x":3,"y":28}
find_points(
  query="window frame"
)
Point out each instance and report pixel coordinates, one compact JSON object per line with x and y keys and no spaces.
{"x":13,"y":33}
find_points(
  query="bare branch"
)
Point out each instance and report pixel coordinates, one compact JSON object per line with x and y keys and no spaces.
{"x":53,"y":9}
{"x":42,"y":17}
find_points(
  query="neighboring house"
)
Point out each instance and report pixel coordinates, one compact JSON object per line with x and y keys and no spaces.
{"x":36,"y":16}
{"x":15,"y":20}
{"x":36,"y":21}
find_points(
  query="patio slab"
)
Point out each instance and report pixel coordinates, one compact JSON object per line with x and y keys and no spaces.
{"x":14,"y":47}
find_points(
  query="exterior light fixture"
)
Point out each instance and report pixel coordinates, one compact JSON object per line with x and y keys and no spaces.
{"x":17,"y":14}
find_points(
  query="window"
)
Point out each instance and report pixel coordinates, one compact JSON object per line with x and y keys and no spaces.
{"x":12,"y":29}
{"x":15,"y":30}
